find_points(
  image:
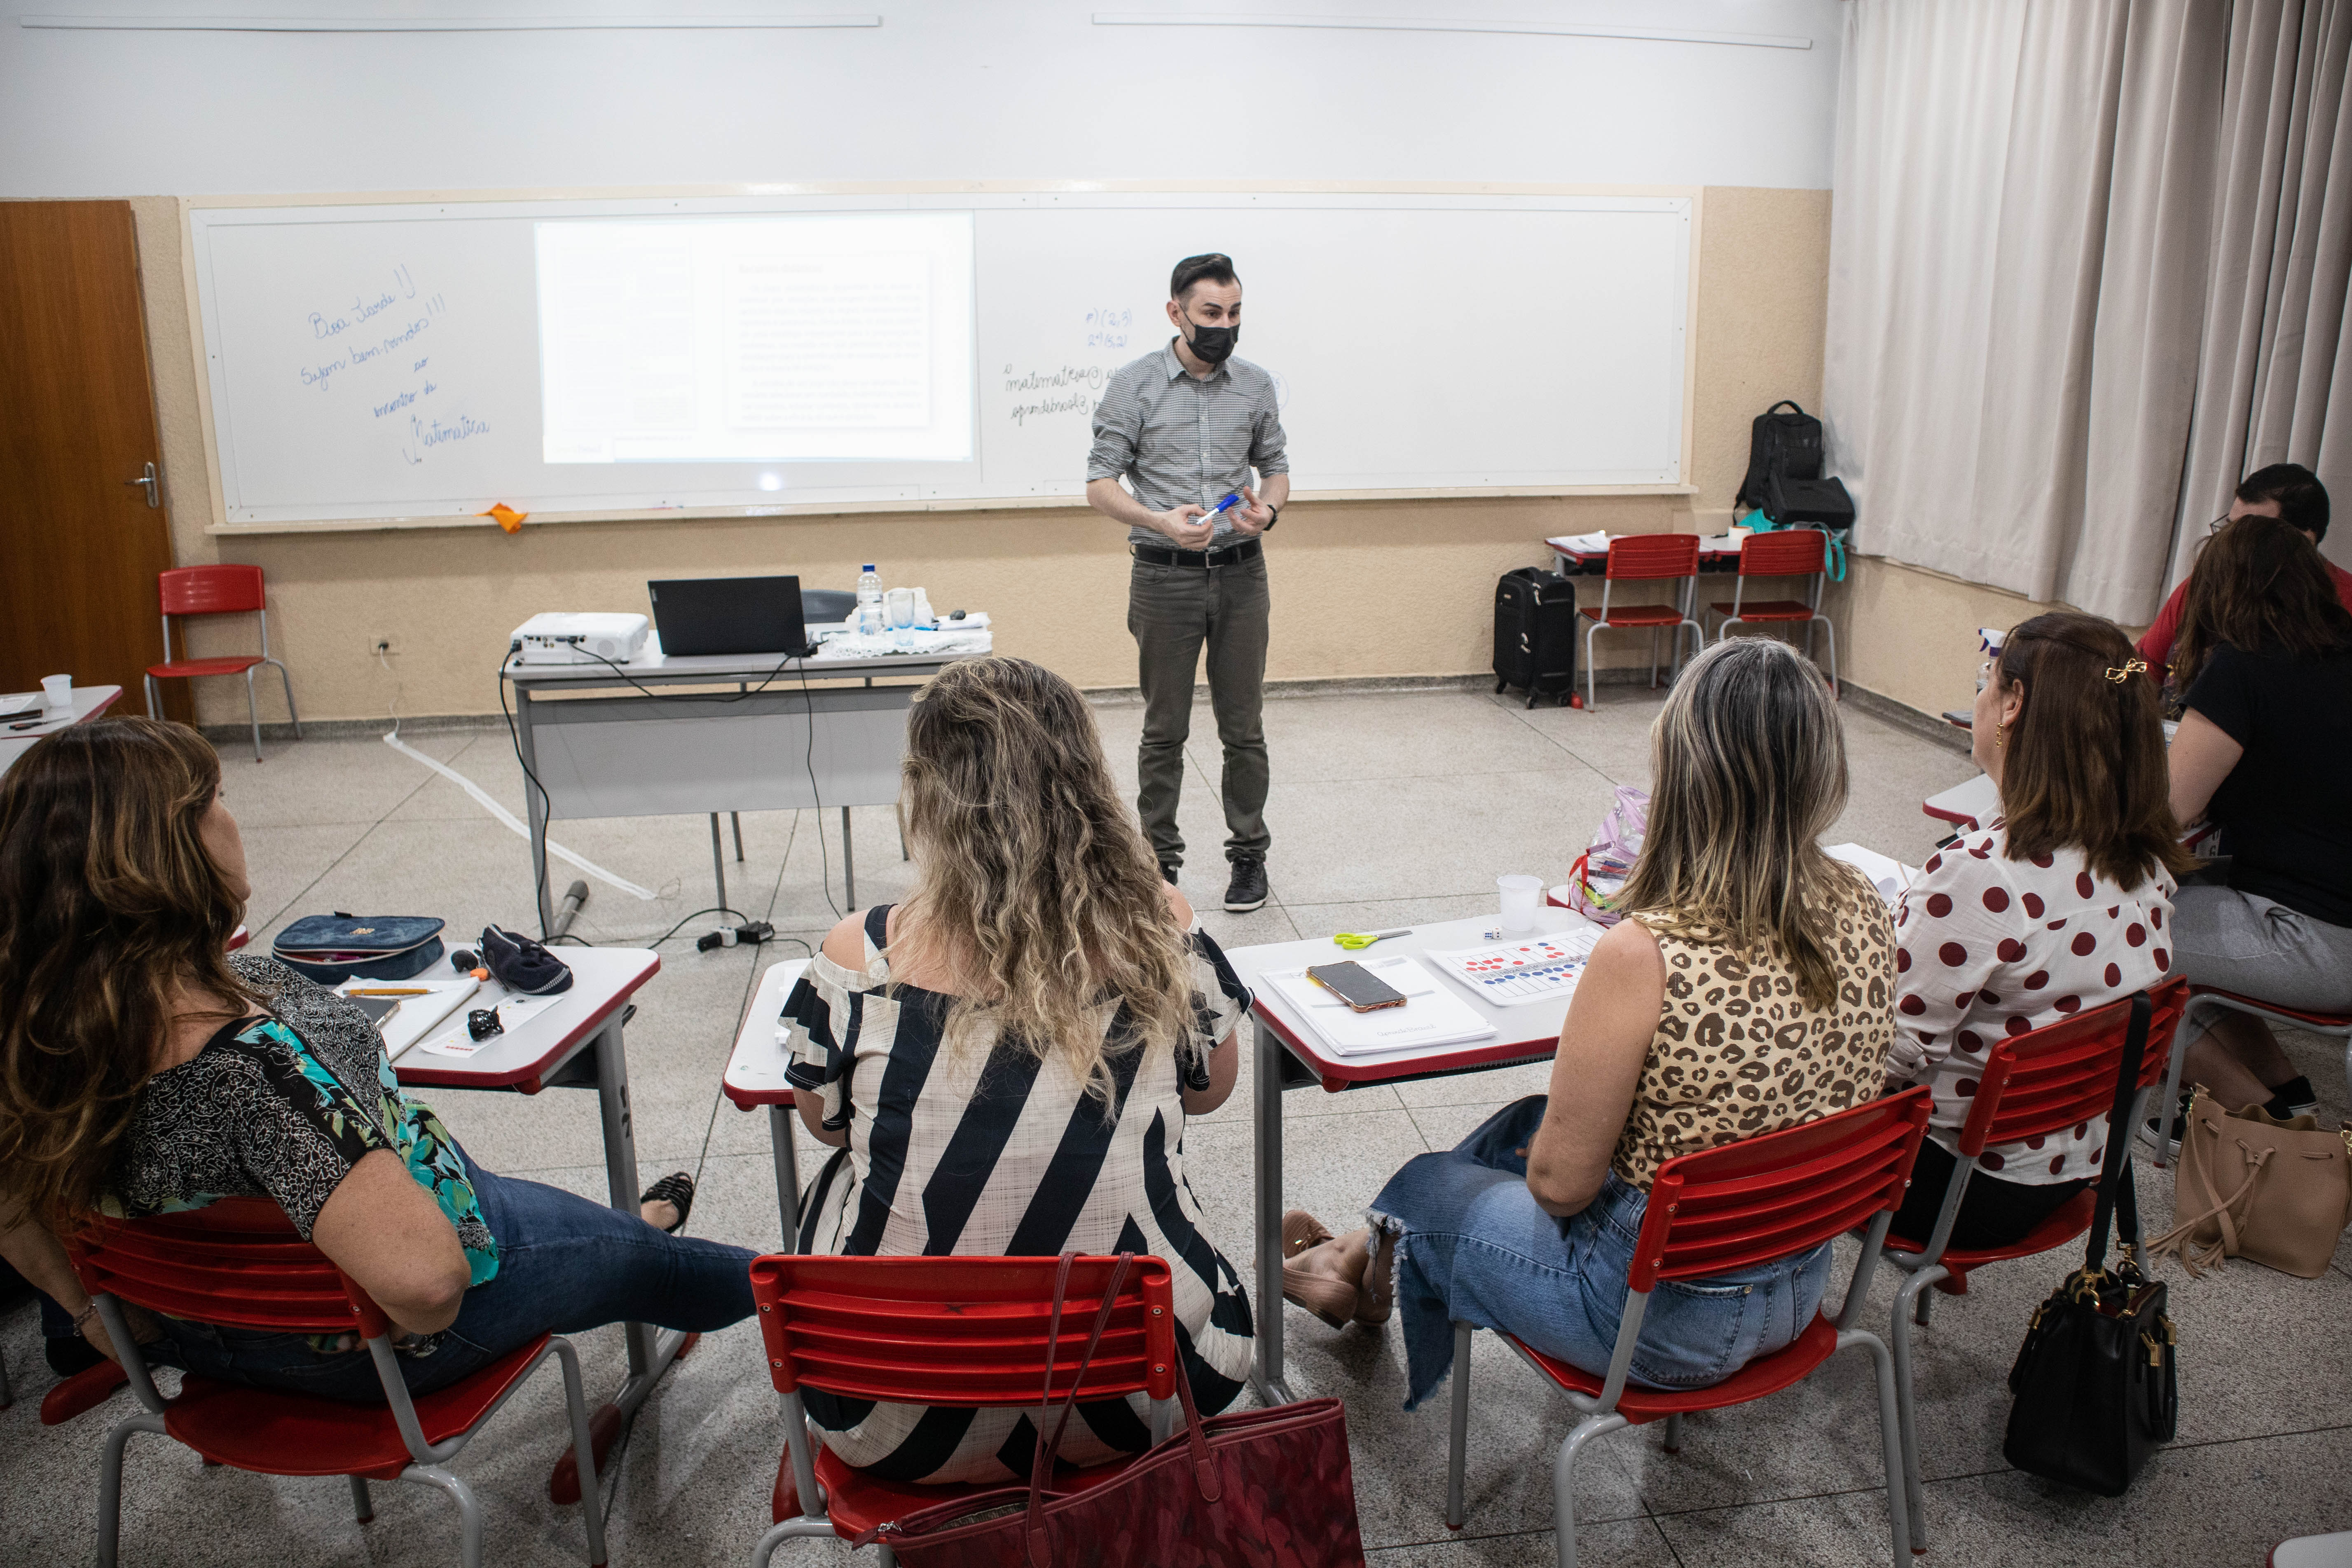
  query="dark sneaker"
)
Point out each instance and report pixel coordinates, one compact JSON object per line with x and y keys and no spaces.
{"x":2153,"y":1130}
{"x":1168,"y":870}
{"x":2294,"y":1098}
{"x":1247,"y":890}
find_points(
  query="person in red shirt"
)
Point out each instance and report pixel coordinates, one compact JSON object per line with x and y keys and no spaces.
{"x":2288,"y":491}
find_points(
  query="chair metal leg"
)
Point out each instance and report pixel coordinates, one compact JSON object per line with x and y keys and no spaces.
{"x":2168,"y":1110}
{"x":1457,"y":1441}
{"x":583,"y":1450}
{"x":885,"y":1556}
{"x":735,"y":819}
{"x":363,"y":1505}
{"x":1831,"y":632}
{"x":253,"y":710}
{"x":469,"y":1511}
{"x":1563,"y":1482}
{"x":109,"y":1482}
{"x":1906,"y":1398}
{"x":817,"y":1529}
{"x":154,"y":700}
{"x":1654,"y":659}
{"x":1674,"y":1433}
{"x":718,"y":861}
{"x":848,"y":868}
{"x":287,"y":681}
{"x":1591,"y":691}
{"x":1903,"y":1520}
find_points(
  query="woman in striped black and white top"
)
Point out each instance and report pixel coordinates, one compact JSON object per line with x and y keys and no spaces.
{"x":1005,"y":1061}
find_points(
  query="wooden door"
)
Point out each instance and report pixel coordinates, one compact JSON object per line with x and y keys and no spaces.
{"x":79,"y":542}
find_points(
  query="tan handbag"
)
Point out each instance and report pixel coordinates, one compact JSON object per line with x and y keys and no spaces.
{"x":2250,"y":1186}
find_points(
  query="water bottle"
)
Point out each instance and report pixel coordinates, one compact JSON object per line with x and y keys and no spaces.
{"x":869,"y":598}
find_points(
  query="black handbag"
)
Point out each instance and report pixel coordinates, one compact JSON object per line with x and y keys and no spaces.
{"x":2095,"y":1380}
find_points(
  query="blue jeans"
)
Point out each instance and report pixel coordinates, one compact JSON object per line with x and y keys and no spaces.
{"x":1473,"y":1246}
{"x":565,"y":1265}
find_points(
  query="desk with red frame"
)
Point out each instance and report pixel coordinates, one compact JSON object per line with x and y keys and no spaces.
{"x":1288,"y":1054}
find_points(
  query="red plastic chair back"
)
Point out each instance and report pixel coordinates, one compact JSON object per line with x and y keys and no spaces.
{"x":1642,"y":555}
{"x":1784,"y":552}
{"x":2063,"y":1074}
{"x":209,"y":590}
{"x":235,"y":1262}
{"x":961,"y":1331}
{"x":1764,"y":1198}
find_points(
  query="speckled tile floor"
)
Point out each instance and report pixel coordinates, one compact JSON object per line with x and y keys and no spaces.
{"x":1386,"y":808}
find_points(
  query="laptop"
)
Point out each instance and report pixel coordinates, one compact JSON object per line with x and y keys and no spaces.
{"x":698,"y":615}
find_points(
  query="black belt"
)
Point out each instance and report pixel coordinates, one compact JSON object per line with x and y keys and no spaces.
{"x":1231,"y":556}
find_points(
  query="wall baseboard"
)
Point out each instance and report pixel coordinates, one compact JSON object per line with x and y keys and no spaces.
{"x":1902,"y":716}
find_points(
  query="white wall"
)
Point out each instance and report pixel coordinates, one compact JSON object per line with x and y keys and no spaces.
{"x":942,"y":89}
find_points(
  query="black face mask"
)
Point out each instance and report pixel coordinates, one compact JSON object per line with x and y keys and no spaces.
{"x":1212,"y":345}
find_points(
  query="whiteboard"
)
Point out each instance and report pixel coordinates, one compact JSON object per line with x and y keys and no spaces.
{"x":382,"y":361}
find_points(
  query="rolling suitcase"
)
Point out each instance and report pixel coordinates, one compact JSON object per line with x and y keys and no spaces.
{"x":1534,"y":633}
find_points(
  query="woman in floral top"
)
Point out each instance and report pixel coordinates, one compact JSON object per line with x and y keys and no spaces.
{"x":143,"y":1071}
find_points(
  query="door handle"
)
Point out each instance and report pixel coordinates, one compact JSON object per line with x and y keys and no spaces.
{"x":155,"y":491}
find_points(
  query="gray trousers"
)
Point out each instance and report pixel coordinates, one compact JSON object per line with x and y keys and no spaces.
{"x":1173,"y":611}
{"x":2259,"y":948}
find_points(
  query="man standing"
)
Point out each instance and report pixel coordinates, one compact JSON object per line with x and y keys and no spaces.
{"x":1184,"y":426}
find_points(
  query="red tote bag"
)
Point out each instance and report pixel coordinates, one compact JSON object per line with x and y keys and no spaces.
{"x":1267,"y":1489}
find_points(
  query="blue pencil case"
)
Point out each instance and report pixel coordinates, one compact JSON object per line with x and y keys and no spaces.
{"x":332,"y":949}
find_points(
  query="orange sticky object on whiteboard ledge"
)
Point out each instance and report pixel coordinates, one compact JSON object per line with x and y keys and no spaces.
{"x":509,"y":519}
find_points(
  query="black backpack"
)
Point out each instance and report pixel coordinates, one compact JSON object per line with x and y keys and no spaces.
{"x":1785,"y":444}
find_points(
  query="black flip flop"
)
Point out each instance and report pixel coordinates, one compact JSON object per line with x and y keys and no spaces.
{"x":677,"y":1189}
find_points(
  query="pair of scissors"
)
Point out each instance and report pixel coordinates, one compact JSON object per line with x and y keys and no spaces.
{"x":1355,"y":940}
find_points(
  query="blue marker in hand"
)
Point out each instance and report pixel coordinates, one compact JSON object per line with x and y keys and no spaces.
{"x":1222,"y":507}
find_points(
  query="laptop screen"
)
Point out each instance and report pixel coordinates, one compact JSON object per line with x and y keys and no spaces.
{"x":699,"y":615}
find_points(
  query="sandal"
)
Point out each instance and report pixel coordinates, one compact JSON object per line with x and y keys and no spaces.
{"x":675,"y":1189}
{"x":1331,"y":1299}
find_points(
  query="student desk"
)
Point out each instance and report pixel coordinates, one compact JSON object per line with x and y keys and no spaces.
{"x":89,"y":702}
{"x":576,"y":1042}
{"x":1289,"y":1055}
{"x":755,"y":1079}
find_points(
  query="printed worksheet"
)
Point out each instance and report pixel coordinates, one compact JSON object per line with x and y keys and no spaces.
{"x":1516,"y":973}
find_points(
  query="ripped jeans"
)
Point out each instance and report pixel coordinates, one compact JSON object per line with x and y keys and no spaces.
{"x":1473,"y":1246}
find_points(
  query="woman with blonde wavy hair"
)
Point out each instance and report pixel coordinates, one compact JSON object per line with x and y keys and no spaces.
{"x":1005,"y":1061}
{"x":1750,"y":987}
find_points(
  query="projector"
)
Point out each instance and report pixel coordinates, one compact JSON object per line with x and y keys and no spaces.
{"x":579,"y":638}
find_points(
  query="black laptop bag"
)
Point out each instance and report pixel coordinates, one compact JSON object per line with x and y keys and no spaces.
{"x":1785,"y":444}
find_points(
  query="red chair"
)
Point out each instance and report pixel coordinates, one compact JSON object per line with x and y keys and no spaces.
{"x":2213,"y":999}
{"x":239,"y":1263}
{"x":2046,"y":1080}
{"x":1712,"y":1212}
{"x":1782,"y":553}
{"x":943,"y":1331}
{"x":216,"y":591}
{"x":1644,"y":557}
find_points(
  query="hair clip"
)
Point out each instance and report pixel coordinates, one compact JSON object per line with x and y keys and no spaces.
{"x":2120,"y":673}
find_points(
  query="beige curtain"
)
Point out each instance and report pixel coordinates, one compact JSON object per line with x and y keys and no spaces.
{"x":2029,"y":262}
{"x":2275,"y":361}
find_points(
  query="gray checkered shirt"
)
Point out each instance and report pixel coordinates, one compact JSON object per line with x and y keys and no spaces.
{"x":1175,"y":438}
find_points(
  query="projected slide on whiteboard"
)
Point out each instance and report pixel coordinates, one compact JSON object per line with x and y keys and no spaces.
{"x":836,"y":336}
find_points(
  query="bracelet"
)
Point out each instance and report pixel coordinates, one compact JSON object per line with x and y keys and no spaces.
{"x":84,"y":1316}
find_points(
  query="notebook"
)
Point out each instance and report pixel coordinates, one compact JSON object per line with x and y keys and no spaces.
{"x":1431,"y":1015}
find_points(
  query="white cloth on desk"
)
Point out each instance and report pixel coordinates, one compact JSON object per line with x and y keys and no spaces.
{"x":883,"y":644}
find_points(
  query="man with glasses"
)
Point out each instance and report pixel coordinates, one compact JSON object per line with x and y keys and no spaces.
{"x":2288,"y":491}
{"x":1184,"y":426}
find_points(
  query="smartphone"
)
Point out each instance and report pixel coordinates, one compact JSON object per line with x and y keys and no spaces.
{"x":1358,"y":987}
{"x":379,"y":1009}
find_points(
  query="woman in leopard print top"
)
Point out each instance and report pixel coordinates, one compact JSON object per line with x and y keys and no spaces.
{"x":1751,"y":989}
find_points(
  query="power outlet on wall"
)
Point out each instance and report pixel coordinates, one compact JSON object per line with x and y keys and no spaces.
{"x":382,"y":644}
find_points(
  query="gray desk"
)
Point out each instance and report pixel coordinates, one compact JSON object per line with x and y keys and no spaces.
{"x":601,"y":740}
{"x":89,"y":702}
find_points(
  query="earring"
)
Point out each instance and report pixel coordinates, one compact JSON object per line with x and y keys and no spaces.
{"x":1999,"y":733}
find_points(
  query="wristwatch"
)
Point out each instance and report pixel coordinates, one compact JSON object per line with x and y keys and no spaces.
{"x":1271,"y":520}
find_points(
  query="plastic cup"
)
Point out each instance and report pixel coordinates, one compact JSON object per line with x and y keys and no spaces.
{"x":56,"y":693}
{"x":1522,"y":897}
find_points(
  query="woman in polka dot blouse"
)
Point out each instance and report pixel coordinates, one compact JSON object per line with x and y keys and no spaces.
{"x":2059,"y":906}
